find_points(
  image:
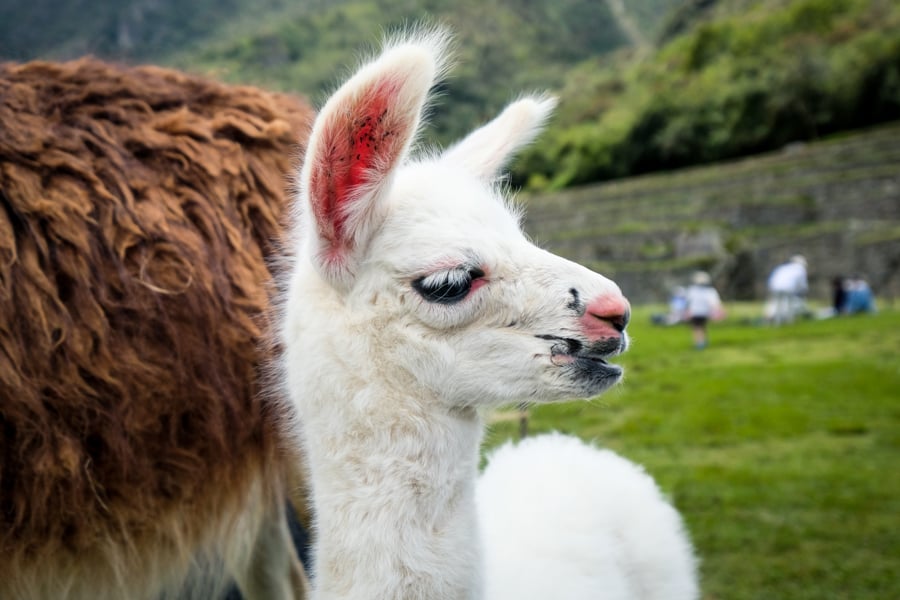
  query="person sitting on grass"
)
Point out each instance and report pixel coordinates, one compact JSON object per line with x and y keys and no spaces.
{"x":677,"y":309}
{"x":859,"y":298}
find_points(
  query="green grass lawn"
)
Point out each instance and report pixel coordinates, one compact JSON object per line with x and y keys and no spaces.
{"x":780,"y":447}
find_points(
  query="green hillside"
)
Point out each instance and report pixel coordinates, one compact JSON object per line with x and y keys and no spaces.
{"x":645,"y":85}
{"x":503,"y":47}
{"x":749,"y":76}
{"x":153,"y":30}
{"x":126,"y":30}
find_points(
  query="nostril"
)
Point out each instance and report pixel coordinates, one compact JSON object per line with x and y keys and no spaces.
{"x":618,"y":321}
{"x":606,"y":316}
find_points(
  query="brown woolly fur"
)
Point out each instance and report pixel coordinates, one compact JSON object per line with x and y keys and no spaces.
{"x":137,"y":209}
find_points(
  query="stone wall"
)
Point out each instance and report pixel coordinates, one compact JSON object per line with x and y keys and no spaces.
{"x":837,"y":202}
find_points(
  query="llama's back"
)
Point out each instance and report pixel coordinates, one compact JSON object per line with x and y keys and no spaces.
{"x":562,"y":519}
{"x":137,"y":209}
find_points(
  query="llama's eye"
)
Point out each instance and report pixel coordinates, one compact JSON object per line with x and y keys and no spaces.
{"x":447,"y":287}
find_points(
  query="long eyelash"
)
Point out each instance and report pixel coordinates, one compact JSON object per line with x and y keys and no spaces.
{"x":447,"y":287}
{"x":446,"y":278}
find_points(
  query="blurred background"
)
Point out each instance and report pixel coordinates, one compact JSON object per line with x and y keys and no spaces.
{"x":723,"y":136}
{"x":808,"y":88}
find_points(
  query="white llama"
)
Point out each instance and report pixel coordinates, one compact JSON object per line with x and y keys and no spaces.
{"x":414,"y":300}
{"x":561,"y":519}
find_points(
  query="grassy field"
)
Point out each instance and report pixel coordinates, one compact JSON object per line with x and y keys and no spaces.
{"x":780,"y":446}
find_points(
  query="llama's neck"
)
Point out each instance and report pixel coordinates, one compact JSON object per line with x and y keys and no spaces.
{"x":393,"y":486}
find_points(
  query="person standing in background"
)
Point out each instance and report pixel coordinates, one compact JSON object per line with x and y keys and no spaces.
{"x":703,"y":304}
{"x":787,"y":290}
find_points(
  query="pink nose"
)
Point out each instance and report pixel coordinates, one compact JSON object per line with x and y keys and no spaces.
{"x":606,"y":317}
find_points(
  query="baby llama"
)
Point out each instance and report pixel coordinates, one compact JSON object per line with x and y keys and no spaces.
{"x":414,"y":301}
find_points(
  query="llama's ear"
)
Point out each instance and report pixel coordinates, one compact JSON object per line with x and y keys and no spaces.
{"x":359,"y":138}
{"x":486,"y":150}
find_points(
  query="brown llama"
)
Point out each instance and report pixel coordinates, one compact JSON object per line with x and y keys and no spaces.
{"x":138,"y":207}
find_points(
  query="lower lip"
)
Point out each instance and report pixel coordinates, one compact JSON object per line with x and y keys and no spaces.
{"x":585,"y":362}
{"x":598,"y":364}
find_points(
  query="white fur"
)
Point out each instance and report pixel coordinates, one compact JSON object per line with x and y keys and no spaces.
{"x":386,"y":381}
{"x":563,"y":519}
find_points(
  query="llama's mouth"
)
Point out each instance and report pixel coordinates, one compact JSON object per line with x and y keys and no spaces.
{"x":587,"y":360}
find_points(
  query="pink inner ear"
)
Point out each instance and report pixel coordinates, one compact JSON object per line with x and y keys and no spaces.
{"x":359,"y":146}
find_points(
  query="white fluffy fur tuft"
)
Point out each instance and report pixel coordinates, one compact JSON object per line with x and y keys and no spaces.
{"x":563,"y":519}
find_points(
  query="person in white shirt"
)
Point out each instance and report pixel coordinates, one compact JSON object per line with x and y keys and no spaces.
{"x":787,"y":290}
{"x":703,"y":304}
